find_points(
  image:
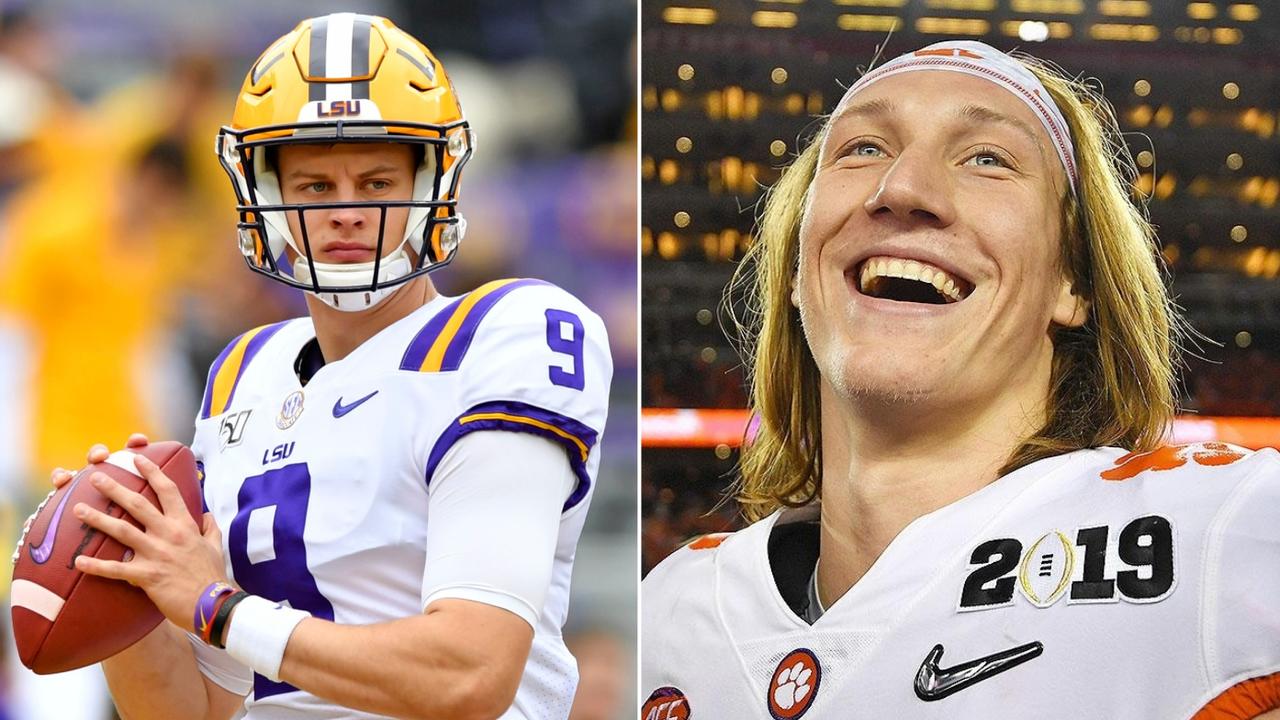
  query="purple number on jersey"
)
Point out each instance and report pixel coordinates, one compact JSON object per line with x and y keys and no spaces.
{"x":556,"y":320}
{"x":283,"y":574}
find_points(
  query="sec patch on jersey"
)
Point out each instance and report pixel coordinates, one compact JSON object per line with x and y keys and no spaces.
{"x":64,"y":619}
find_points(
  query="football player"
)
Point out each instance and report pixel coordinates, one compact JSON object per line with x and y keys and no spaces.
{"x":963,"y":363}
{"x":396,"y":484}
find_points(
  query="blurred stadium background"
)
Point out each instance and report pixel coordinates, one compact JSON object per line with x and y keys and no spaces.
{"x":120,"y":279}
{"x":730,"y":89}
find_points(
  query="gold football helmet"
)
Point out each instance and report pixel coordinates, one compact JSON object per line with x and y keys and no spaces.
{"x":347,"y":78}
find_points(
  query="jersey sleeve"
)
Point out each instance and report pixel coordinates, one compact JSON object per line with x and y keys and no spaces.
{"x":1242,"y":590}
{"x":512,"y":486}
{"x":531,"y":358}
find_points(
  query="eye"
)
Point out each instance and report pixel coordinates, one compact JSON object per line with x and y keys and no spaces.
{"x":864,"y":148}
{"x":316,"y":187}
{"x":379,"y":184}
{"x":989,"y":157}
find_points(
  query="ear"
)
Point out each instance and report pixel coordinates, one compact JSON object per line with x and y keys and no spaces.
{"x":1071,"y":310}
{"x":795,"y":295}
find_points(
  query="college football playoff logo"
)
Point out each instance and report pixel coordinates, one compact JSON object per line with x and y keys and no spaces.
{"x":231,"y":429}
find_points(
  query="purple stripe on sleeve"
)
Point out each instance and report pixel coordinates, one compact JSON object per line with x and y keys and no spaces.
{"x":249,"y":351}
{"x":467,"y":330}
{"x":426,"y":337}
{"x":457,"y":430}
{"x":204,"y":505}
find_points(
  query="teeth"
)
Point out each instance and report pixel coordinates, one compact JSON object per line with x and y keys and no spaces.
{"x":878,"y":267}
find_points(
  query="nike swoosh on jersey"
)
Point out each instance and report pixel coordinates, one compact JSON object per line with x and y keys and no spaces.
{"x":40,"y":553}
{"x":934,"y":682}
{"x":339,"y":409}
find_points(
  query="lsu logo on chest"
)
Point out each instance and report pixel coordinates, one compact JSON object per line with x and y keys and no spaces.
{"x":1134,"y":562}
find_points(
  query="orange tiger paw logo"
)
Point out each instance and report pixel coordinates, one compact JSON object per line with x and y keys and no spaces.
{"x":1168,"y":457}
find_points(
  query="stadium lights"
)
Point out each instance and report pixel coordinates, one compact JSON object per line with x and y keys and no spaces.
{"x":872,"y":3}
{"x":1201,"y":11}
{"x":1068,"y":7}
{"x":773,"y":18}
{"x":1243,"y":12}
{"x":868,"y":23}
{"x":1124,"y":8}
{"x":689,"y":16}
{"x":952,"y":26}
{"x":1033,"y":31}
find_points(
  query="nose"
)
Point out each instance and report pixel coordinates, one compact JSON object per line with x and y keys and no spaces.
{"x":914,"y":188}
{"x":347,"y":218}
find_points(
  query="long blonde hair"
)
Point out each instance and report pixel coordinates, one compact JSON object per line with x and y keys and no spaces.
{"x":1113,"y":380}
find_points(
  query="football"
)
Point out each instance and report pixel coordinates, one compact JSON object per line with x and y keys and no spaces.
{"x":64,"y":619}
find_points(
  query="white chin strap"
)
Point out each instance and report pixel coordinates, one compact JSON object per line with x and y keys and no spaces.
{"x":394,"y":266}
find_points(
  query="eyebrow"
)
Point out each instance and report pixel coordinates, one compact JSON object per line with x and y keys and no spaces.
{"x":303,"y":175}
{"x":980,"y":114}
{"x":881,"y":108}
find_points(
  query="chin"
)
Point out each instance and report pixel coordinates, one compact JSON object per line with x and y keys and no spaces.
{"x":887,"y":380}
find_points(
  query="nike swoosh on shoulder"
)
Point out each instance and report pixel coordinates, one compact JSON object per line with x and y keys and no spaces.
{"x":339,"y":409}
{"x":934,"y":682}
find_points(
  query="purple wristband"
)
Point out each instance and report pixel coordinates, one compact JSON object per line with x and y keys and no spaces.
{"x":207,"y":607}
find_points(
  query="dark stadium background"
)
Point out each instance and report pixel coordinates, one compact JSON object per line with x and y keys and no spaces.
{"x":729,"y":88}
{"x":134,"y":90}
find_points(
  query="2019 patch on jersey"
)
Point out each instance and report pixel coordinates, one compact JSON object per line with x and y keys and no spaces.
{"x":1137,"y":567}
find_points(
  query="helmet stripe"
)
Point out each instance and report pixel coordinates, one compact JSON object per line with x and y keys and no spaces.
{"x":262,"y":67}
{"x":338,"y":56}
{"x":427,"y":70}
{"x":360,"y":32}
{"x":316,"y":61}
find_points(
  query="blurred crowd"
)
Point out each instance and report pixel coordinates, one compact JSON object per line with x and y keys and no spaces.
{"x":120,"y":279}
{"x":1243,"y":383}
{"x":683,"y":494}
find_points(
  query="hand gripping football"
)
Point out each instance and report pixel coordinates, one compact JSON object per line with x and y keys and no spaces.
{"x":64,"y":619}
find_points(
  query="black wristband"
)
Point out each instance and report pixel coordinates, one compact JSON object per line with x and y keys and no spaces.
{"x":220,"y":620}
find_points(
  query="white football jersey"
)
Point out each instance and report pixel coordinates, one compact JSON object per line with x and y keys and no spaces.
{"x":1090,"y":585}
{"x":321,"y":492}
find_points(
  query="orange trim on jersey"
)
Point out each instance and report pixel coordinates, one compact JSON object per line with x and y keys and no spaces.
{"x":1170,"y":457}
{"x":582,"y":447}
{"x":435,"y":356}
{"x":1244,"y":700}
{"x":709,"y":542}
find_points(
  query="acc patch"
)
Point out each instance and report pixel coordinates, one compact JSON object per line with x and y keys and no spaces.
{"x":666,"y":703}
{"x":1045,"y":572}
{"x":794,"y":684}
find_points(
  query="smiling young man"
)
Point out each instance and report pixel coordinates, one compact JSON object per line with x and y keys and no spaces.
{"x":959,"y":331}
{"x":395,"y":485}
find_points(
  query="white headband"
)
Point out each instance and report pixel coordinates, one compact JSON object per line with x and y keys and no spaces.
{"x":983,"y":61}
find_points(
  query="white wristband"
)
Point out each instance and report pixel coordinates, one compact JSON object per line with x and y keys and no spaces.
{"x":259,"y":632}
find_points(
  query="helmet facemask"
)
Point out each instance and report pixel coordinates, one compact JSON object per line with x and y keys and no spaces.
{"x":433,"y":230}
